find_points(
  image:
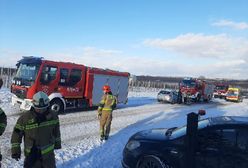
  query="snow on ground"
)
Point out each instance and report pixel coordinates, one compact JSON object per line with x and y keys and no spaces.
{"x":80,"y":130}
{"x":5,"y":102}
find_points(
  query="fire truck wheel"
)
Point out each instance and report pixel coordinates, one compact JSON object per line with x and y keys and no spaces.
{"x":57,"y":106}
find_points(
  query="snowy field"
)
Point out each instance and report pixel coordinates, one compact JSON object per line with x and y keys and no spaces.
{"x":80,"y":130}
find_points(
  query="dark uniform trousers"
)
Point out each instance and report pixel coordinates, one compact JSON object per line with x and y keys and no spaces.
{"x":40,"y":162}
{"x":3,"y":124}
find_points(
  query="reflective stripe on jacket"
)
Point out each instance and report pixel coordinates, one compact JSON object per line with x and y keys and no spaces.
{"x":107,"y":102}
{"x":44,"y":135}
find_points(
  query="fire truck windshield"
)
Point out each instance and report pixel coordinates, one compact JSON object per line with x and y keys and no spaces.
{"x":220,"y":87}
{"x":188,"y":83}
{"x":27,"y":72}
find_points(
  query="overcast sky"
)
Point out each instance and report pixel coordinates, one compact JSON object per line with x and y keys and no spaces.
{"x":161,"y":37}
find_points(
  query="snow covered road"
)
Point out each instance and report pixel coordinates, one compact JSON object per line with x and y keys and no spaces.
{"x":80,"y":130}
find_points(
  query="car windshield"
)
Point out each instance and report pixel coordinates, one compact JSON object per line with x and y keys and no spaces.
{"x":164,"y":92}
{"x":27,"y":72}
{"x":232,"y":93}
{"x":188,"y":83}
{"x":182,"y":130}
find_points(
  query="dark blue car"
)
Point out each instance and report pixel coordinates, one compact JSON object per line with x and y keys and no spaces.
{"x":220,"y":142}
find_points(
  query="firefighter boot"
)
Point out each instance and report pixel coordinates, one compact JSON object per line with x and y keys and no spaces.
{"x":102,"y":134}
{"x":102,"y":137}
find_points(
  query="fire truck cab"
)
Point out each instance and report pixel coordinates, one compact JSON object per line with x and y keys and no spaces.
{"x":220,"y":90}
{"x":68,"y":85}
{"x":192,"y":89}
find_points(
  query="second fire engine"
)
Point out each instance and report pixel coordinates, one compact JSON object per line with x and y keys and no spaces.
{"x":195,"y":90}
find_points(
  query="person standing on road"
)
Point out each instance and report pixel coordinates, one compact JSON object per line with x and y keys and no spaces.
{"x":41,"y":131}
{"x":3,"y":121}
{"x":105,"y":109}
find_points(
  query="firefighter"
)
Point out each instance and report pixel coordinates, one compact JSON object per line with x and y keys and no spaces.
{"x":105,"y":109}
{"x":3,"y":121}
{"x":41,"y":132}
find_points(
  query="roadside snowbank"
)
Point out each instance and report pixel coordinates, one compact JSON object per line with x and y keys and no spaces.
{"x":5,"y":102}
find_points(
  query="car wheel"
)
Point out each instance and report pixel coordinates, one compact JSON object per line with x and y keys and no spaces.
{"x":152,"y":161}
{"x":57,"y":106}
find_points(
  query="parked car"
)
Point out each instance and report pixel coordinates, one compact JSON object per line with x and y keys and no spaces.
{"x":221,"y":142}
{"x":168,"y":95}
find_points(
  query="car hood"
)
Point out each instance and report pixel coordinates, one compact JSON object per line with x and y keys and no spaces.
{"x":152,"y":134}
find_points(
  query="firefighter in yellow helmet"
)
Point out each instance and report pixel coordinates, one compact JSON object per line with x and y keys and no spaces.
{"x":105,"y":109}
{"x":40,"y":130}
{"x":3,"y":120}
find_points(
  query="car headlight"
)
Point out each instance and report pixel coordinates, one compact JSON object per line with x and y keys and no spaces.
{"x":131,"y":145}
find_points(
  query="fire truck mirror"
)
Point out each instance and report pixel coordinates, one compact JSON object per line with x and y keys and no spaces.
{"x":45,"y":78}
{"x":46,"y":69}
{"x":199,"y":86}
{"x":62,"y":80}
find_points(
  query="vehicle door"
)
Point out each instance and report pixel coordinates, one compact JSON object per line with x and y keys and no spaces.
{"x":208,"y":148}
{"x":223,"y":148}
{"x":71,"y":84}
{"x":49,"y":79}
{"x":63,"y":81}
{"x":228,"y":148}
{"x":241,"y":152}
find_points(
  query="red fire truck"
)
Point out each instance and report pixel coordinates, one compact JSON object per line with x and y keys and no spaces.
{"x":195,"y":90}
{"x":68,"y":85}
{"x":220,"y":90}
